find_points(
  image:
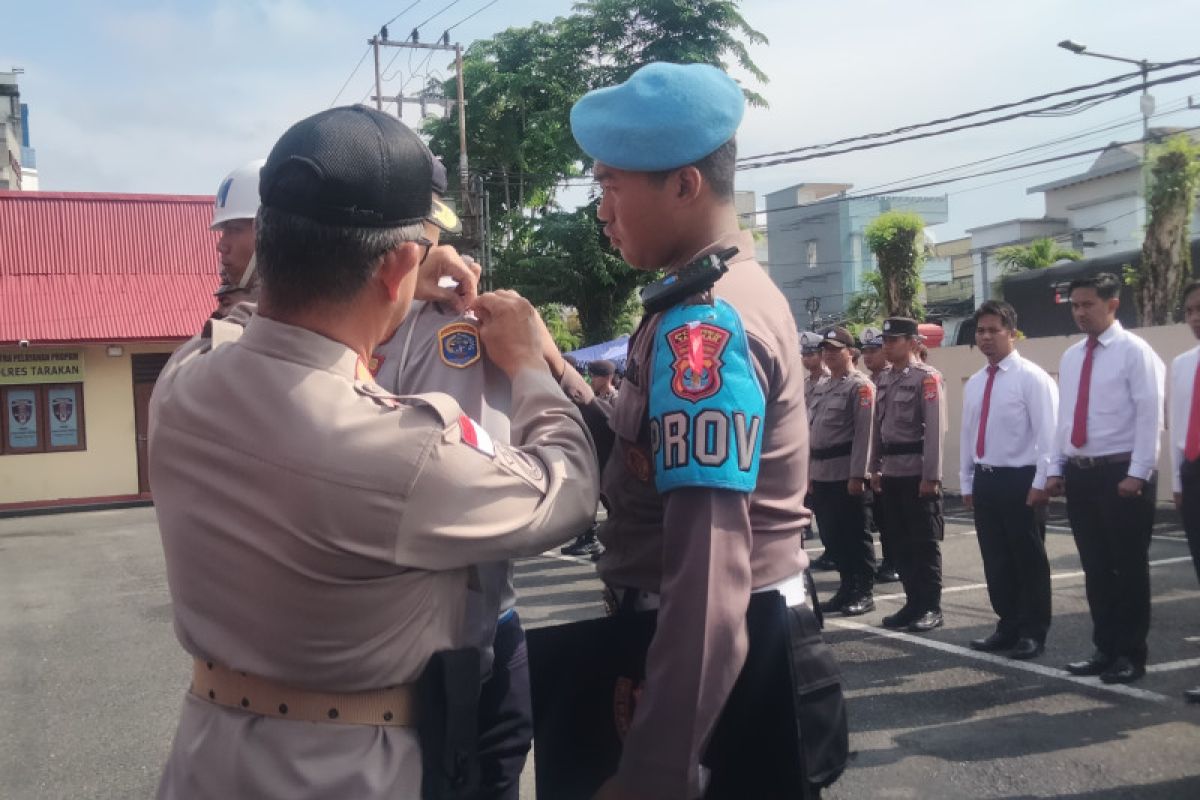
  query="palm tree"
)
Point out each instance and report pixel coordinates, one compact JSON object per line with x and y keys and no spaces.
{"x":1038,"y":254}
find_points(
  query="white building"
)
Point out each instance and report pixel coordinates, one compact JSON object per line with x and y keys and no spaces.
{"x":1098,"y":212}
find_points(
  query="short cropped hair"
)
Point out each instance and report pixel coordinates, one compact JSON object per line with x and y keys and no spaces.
{"x":306,"y":264}
{"x":718,"y":168}
{"x":1191,"y":287}
{"x":998,"y":308}
{"x":1105,"y":283}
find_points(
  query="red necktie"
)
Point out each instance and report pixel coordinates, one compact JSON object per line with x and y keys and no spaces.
{"x":1079,"y":431}
{"x":987,"y":404}
{"x":1191,"y":450}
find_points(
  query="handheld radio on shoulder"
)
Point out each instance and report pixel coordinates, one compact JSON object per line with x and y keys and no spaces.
{"x":698,"y":276}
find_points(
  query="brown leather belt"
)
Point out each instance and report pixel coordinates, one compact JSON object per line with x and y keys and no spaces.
{"x":1088,"y":462}
{"x":394,"y":706}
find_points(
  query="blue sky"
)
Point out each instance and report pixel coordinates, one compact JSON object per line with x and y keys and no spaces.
{"x":135,"y":96}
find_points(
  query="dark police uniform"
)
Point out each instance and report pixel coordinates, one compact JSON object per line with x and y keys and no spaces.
{"x":705,"y":481}
{"x":910,"y":422}
{"x":842,"y":414}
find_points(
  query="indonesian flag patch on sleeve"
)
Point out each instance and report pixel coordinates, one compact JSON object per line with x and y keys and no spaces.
{"x":475,"y":436}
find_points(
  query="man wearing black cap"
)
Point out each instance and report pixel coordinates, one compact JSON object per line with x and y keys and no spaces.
{"x":906,"y":466}
{"x":841,"y":440}
{"x":319,"y":535}
{"x":601,"y":372}
{"x":708,"y":442}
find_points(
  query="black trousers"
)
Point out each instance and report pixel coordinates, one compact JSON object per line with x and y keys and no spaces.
{"x":875,"y":504}
{"x":1190,"y":510}
{"x":842,"y":518}
{"x":915,"y":526}
{"x":1012,"y":541}
{"x":1112,"y":534}
{"x":505,"y":715}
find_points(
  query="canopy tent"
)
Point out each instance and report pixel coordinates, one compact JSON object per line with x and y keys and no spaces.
{"x":614,"y":351}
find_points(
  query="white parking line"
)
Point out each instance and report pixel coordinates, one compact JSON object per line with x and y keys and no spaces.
{"x":1171,"y":666}
{"x":1001,"y":661}
{"x":1055,"y":576}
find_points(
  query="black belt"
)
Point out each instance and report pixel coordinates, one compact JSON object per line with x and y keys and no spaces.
{"x":903,"y":448}
{"x":990,"y":468}
{"x":1088,"y":462}
{"x":833,"y":451}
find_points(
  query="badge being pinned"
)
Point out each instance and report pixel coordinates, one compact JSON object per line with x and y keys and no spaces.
{"x":475,"y":436}
{"x":930,"y":384}
{"x":458,"y":345}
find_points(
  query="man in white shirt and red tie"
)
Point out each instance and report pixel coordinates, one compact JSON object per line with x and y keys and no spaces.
{"x":1111,"y":388}
{"x":1185,"y":436}
{"x":1006,"y":441}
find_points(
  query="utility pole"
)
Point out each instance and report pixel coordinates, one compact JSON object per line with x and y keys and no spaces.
{"x":468,"y":204}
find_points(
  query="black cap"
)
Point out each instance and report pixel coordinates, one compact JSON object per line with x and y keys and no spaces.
{"x":601,"y":368}
{"x":350,"y":166}
{"x":838,"y":337}
{"x":899,"y":326}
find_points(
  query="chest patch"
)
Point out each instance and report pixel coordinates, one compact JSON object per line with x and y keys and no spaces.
{"x":458,"y":345}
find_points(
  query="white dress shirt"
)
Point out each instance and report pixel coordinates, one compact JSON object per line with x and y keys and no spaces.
{"x":1020,"y":424}
{"x":1125,"y":404}
{"x":1183,"y":377}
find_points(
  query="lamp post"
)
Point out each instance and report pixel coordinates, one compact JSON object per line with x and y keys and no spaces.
{"x":812,"y":305}
{"x":1147,"y":103}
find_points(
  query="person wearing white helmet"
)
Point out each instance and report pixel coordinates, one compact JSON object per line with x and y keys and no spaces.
{"x":234,"y":210}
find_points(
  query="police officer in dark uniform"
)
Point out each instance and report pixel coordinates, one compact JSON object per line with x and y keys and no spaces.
{"x":709,"y":449}
{"x":875,"y":365}
{"x":842,"y":415}
{"x":910,"y":422}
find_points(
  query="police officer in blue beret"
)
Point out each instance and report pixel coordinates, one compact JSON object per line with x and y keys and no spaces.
{"x":707,"y":455}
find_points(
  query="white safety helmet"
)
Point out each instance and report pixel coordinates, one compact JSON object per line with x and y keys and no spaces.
{"x":237,"y":196}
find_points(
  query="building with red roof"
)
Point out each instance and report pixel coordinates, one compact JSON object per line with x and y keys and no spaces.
{"x":96,"y":292}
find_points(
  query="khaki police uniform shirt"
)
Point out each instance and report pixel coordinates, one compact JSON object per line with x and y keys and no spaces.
{"x":911,"y":407}
{"x":422,"y":356}
{"x":318,"y":532}
{"x":811,"y":386}
{"x":703,"y":549}
{"x":843,"y":411}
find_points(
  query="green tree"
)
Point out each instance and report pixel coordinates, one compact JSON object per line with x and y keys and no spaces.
{"x":866,"y":306}
{"x":1166,"y":258}
{"x":896,"y":239}
{"x":564,"y":257}
{"x":1038,"y":254}
{"x":555,"y":315}
{"x":631,"y":33}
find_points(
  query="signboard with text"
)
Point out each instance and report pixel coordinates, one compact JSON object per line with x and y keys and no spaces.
{"x":41,"y":367}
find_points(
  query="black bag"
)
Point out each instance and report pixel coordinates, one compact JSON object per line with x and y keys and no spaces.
{"x":583,"y":677}
{"x":448,"y":725}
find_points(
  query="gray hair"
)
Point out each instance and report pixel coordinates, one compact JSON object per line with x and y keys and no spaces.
{"x":305,"y":263}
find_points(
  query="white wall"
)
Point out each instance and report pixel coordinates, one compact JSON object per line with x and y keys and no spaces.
{"x":959,"y":363}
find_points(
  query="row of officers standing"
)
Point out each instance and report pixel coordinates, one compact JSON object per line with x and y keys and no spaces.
{"x":1093,"y":437}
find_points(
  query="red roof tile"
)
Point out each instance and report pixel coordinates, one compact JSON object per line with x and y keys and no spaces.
{"x":104,"y":267}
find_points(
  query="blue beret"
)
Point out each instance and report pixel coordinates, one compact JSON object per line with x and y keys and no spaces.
{"x":665,"y":116}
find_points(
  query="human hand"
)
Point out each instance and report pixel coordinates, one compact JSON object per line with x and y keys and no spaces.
{"x":1178,"y":498}
{"x":508,"y":327}
{"x":877,"y":483}
{"x":855,"y":487}
{"x":1130,"y":487}
{"x":968,"y":502}
{"x":1037,"y":497}
{"x":448,"y":278}
{"x":1055,"y":487}
{"x":929,"y":488}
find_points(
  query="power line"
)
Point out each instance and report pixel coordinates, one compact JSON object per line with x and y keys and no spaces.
{"x":353,"y":72}
{"x":420,"y":25}
{"x":983,"y":123}
{"x":402,"y":13}
{"x":969,"y":114}
{"x":472,"y":14}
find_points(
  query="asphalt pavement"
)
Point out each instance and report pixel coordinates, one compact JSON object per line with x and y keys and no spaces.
{"x":91,"y":677}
